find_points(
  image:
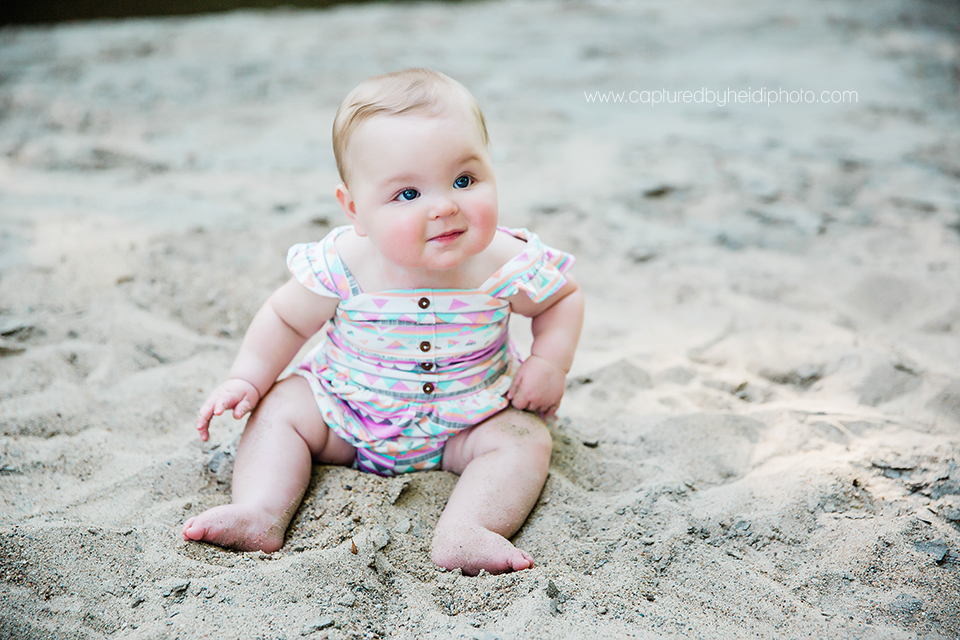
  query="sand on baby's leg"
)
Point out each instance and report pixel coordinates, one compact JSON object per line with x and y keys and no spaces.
{"x":282,"y":439}
{"x":502,"y":463}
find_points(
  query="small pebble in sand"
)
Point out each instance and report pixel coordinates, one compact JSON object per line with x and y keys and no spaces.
{"x":176,"y":588}
{"x":316,"y":625}
{"x":552,"y":590}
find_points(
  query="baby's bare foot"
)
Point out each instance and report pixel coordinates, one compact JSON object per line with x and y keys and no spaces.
{"x":472,"y":548}
{"x":237,"y":527}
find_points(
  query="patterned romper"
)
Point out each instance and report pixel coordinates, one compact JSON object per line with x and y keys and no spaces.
{"x":399,"y":372}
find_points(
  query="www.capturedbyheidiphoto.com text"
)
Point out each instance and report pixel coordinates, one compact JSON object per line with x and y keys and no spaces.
{"x":722,"y":98}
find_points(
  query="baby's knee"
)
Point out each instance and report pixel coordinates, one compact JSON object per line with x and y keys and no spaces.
{"x":530,"y":432}
{"x":293,"y":397}
{"x":535,"y":444}
{"x":540,"y":438}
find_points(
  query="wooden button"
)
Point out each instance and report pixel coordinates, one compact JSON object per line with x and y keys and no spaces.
{"x":424,"y":303}
{"x":428,"y":387}
{"x":424,"y":346}
{"x":426,"y":366}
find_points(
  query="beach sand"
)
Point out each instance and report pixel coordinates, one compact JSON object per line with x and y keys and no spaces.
{"x":761,"y":433}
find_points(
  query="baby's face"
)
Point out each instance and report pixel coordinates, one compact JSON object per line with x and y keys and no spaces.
{"x":422,"y":189}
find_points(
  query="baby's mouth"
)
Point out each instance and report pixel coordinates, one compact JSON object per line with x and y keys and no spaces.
{"x":449,"y":236}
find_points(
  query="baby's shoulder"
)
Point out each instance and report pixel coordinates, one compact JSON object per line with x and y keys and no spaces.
{"x":351,"y":247}
{"x":504,"y":248}
{"x":346,"y":240}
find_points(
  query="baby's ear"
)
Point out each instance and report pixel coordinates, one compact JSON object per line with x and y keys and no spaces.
{"x":349,"y":207}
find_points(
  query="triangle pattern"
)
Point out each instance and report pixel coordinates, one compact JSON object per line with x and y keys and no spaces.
{"x":457,"y":304}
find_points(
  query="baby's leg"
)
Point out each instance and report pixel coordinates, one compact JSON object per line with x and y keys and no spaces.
{"x":282,"y":438}
{"x":502,"y":464}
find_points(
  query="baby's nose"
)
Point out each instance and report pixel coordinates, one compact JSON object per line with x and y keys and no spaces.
{"x":444,"y":207}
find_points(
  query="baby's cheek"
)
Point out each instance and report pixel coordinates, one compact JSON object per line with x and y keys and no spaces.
{"x":486,"y":229}
{"x":403,"y":247}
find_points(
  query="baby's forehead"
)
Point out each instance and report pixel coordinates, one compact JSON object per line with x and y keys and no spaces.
{"x":420,"y":115}
{"x":408,"y":119}
{"x":412,"y":119}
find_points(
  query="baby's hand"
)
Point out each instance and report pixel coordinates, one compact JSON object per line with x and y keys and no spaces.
{"x":236,"y":394}
{"x":538,"y":386}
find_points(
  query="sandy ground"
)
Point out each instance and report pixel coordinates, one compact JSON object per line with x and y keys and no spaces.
{"x":761,"y":434}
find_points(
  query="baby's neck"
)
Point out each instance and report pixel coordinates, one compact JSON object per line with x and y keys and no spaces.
{"x":387,"y":277}
{"x":373,"y":273}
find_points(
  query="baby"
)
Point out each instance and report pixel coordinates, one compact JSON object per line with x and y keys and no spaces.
{"x":415,"y":370}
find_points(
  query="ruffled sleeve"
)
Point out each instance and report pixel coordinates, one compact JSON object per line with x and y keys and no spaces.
{"x":537,"y":271}
{"x":316,"y":265}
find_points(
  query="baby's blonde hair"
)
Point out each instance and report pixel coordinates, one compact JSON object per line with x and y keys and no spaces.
{"x":407,"y":92}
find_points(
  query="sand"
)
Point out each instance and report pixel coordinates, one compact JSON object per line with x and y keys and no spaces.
{"x":761,"y":432}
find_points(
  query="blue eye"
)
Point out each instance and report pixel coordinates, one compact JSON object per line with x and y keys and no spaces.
{"x":408,"y":194}
{"x":463,"y":182}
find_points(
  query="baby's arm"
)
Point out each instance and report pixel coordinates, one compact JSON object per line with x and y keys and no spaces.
{"x":539,"y":384}
{"x":282,"y":325}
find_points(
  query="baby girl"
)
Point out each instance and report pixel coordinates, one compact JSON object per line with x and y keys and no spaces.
{"x":415,"y":370}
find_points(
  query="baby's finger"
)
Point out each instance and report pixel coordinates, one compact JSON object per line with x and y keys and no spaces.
{"x":242,"y":409}
{"x":225,"y":402}
{"x":206,"y":410}
{"x":203,"y":425}
{"x":203,"y":422}
{"x":521,"y":402}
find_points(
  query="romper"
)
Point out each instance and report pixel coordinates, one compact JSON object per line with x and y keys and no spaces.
{"x":398,"y":372}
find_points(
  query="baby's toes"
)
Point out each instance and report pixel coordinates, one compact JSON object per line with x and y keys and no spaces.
{"x":188,"y":530}
{"x":520,"y":560}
